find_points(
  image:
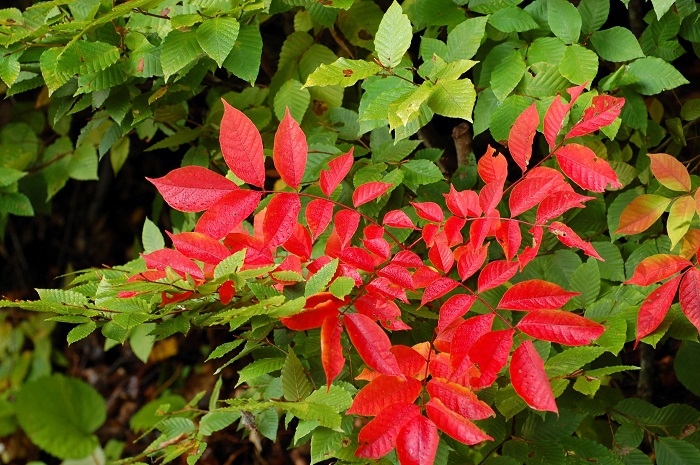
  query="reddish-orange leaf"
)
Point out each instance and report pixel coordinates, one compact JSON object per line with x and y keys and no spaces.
{"x":641,"y":213}
{"x":479,"y":229}
{"x":441,"y":256}
{"x":379,"y":247}
{"x":603,"y":112}
{"x":339,"y":168}
{"x":530,"y":252}
{"x":453,"y":230}
{"x":453,"y":308}
{"x":429,"y":211}
{"x":521,"y":136}
{"x":690,"y":244}
{"x":670,"y":172}
{"x":317,"y":308}
{"x":429,"y":232}
{"x":192,"y":188}
{"x":398,"y":275}
{"x":398,"y":219}
{"x":466,"y":334}
{"x":568,"y":237}
{"x":535,"y":294}
{"x":372,"y":343}
{"x":470,"y":260}
{"x":463,"y":203}
{"x":492,"y":167}
{"x":408,"y":259}
{"x":377,"y":307}
{"x":378,"y":436}
{"x":561,"y":327}
{"x":509,"y":236}
{"x":437,"y":289}
{"x":319,"y":214}
{"x":530,"y":380}
{"x":459,"y":399}
{"x":424,"y":276}
{"x":357,"y":257}
{"x":388,"y":289}
{"x":657,"y":268}
{"x":299,"y":243}
{"x":163,"y":258}
{"x":257,"y":252}
{"x":331,"y":350}
{"x":490,"y":353}
{"x":490,"y":196}
{"x":242,"y":147}
{"x":654,"y":308}
{"x":200,"y":247}
{"x":368,"y":192}
{"x":584,"y":168}
{"x":690,"y":296}
{"x":281,"y":217}
{"x":534,"y":188}
{"x":417,"y":442}
{"x":227,"y":213}
{"x":346,"y":223}
{"x":383,"y":391}
{"x":290,"y":151}
{"x":554,"y":120}
{"x":455,"y":425}
{"x":680,"y":215}
{"x":558,"y":203}
{"x":574,"y":92}
{"x":496,"y":273}
{"x":411,"y":361}
{"x":226,"y":292}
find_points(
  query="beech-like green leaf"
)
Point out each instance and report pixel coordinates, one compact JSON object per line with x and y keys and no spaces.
{"x":654,"y":75}
{"x":342,"y":72}
{"x":578,"y":64}
{"x":393,"y":36}
{"x":616,"y":44}
{"x":217,"y":37}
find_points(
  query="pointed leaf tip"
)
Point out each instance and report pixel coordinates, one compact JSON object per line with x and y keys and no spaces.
{"x":242,"y":147}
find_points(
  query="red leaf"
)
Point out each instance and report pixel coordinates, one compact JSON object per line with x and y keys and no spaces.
{"x":509,"y":236}
{"x":163,"y":258}
{"x":558,"y":203}
{"x":429,"y":211}
{"x":568,"y":237}
{"x":290,"y":151}
{"x":690,"y":296}
{"x":227,"y":213}
{"x":318,"y":307}
{"x":424,"y":276}
{"x":373,"y":231}
{"x":466,"y":334}
{"x":331,"y":350}
{"x":455,"y":425}
{"x":368,"y":192}
{"x":459,"y":399}
{"x":319,"y":214}
{"x":408,"y":259}
{"x":441,"y":256}
{"x":192,"y":188}
{"x":657,"y":268}
{"x":670,"y":172}
{"x":357,"y":257}
{"x":226,"y":292}
{"x":561,"y":327}
{"x":346,"y":223}
{"x":417,"y":442}
{"x":453,"y":230}
{"x":490,"y":196}
{"x":463,"y":203}
{"x":584,"y":168}
{"x":388,"y":289}
{"x":398,"y":275}
{"x":496,"y":273}
{"x":603,"y":112}
{"x":654,"y":308}
{"x":429,"y":232}
{"x":534,"y":189}
{"x":521,"y":136}
{"x":453,"y":308}
{"x":535,"y":294}
{"x":377,"y":307}
{"x":383,"y":391}
{"x":282,"y":214}
{"x":299,"y":243}
{"x":470,"y":260}
{"x":530,"y":380}
{"x":437,"y":289}
{"x":257,"y":252}
{"x":379,"y":247}
{"x":412,"y":363}
{"x":492,"y":168}
{"x":530,"y":252}
{"x":372,"y":343}
{"x":574,"y":92}
{"x":490,"y":353}
{"x":378,"y":436}
{"x":398,"y":219}
{"x":242,"y":147}
{"x":479,"y":229}
{"x":200,"y":247}
{"x":339,"y":168}
{"x":554,"y":120}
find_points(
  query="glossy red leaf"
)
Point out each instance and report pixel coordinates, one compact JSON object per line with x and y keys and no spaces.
{"x":522,"y":133}
{"x":377,"y":307}
{"x":332,"y":357}
{"x":465,"y":335}
{"x":226,"y":292}
{"x":417,"y":442}
{"x":242,"y":147}
{"x":383,"y":391}
{"x":424,"y":276}
{"x":359,"y":258}
{"x":535,"y":294}
{"x":429,"y":232}
{"x":463,"y":203}
{"x":603,"y":112}
{"x":657,"y":268}
{"x":200,"y":247}
{"x":554,"y":120}
{"x":453,"y":230}
{"x":346,"y":223}
{"x":316,"y":309}
{"x":378,"y":436}
{"x":339,"y":168}
{"x":585,"y":169}
{"x":379,"y":247}
{"x":471,"y":260}
{"x":437,"y":289}
{"x":178,"y":262}
{"x":496,"y":273}
{"x":429,"y":211}
{"x":558,"y":203}
{"x":453,"y":308}
{"x":398,"y":219}
{"x":257,"y":253}
{"x":654,"y":308}
{"x":479,"y":229}
{"x":373,"y":231}
{"x":388,"y":289}
{"x":398,"y":275}
{"x":319,"y":214}
{"x":350,"y":272}
{"x":299,"y":243}
{"x":368,"y":192}
{"x":280,"y":219}
{"x":534,"y":188}
{"x":670,"y":172}
{"x":689,"y":294}
{"x":455,"y":425}
{"x":441,"y":256}
{"x":290,"y":151}
{"x":192,"y":188}
{"x":492,"y":167}
{"x":561,"y":327}
{"x":509,"y":237}
{"x":412,"y":363}
{"x":227,"y":213}
{"x":459,"y":399}
{"x":490,"y":196}
{"x":568,"y":237}
{"x":530,"y":380}
{"x":372,"y":343}
{"x":408,"y":259}
{"x":490,"y":353}
{"x":530,"y":252}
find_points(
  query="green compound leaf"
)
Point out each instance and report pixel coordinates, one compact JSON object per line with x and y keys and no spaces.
{"x":578,"y":64}
{"x":59,"y":414}
{"x":454,"y":99}
{"x":616,"y":44}
{"x":342,"y":72}
{"x":217,"y":37}
{"x":654,"y":75}
{"x":564,"y":20}
{"x":180,"y":49}
{"x":393,"y":37}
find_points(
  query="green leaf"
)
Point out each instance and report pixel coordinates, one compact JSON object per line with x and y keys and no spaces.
{"x":579,"y":65}
{"x":690,"y":111}
{"x":179,"y":50}
{"x":151,"y":237}
{"x":216,"y":421}
{"x":564,"y":20}
{"x":420,"y":172}
{"x":217,"y":37}
{"x":661,"y":7}
{"x":10,"y":176}
{"x":244,"y":59}
{"x":342,"y":286}
{"x":259,"y":368}
{"x":593,"y":13}
{"x":83,"y":163}
{"x":546,"y":49}
{"x":342,"y":72}
{"x":613,"y":268}
{"x":504,"y":116}
{"x":512,"y":19}
{"x":85,"y":57}
{"x":507,"y":75}
{"x":654,"y":75}
{"x":293,"y":96}
{"x":672,"y":451}
{"x":464,"y":40}
{"x":586,"y":280}
{"x":81,"y":332}
{"x":59,"y":414}
{"x":53,"y":76}
{"x":616,"y":44}
{"x":393,"y":36}
{"x":295,"y":384}
{"x":454,"y":99}
{"x":570,"y":360}
{"x":182,"y":136}
{"x":9,"y":69}
{"x":321,"y":278}
{"x":686,"y":368}
{"x":407,"y":107}
{"x":229,"y":265}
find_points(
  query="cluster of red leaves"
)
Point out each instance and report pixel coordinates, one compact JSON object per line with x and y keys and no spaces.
{"x":467,"y":353}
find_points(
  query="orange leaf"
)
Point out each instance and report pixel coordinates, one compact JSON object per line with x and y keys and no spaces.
{"x":641,"y":213}
{"x":331,"y":350}
{"x":680,"y":215}
{"x":535,"y":294}
{"x":584,"y":168}
{"x":657,"y":268}
{"x":372,"y":344}
{"x":561,"y":327}
{"x":670,"y":172}
{"x":383,"y":391}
